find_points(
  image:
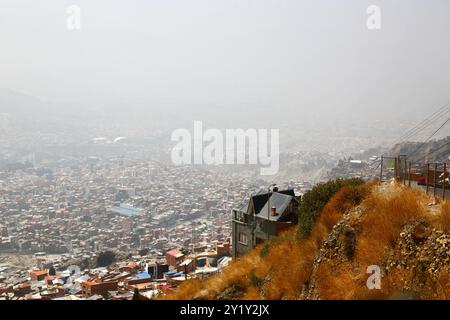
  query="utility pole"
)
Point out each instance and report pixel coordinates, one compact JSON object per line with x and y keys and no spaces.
{"x":443,"y":180}
{"x":193,"y":246}
{"x":381,"y":169}
{"x":395,"y":168}
{"x":409,"y":173}
{"x":405,"y":174}
{"x":434,"y":179}
{"x":268,"y":210}
{"x":427,"y":180}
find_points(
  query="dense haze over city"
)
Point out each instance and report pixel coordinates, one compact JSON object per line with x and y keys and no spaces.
{"x":91,"y":93}
{"x":312,"y":69}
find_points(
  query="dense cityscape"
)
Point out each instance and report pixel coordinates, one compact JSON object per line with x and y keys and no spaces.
{"x":65,"y":215}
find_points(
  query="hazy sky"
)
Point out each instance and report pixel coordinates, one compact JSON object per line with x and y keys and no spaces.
{"x":307,"y":55}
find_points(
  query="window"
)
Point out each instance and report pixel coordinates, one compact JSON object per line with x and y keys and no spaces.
{"x":239,"y":216}
{"x":243,"y":238}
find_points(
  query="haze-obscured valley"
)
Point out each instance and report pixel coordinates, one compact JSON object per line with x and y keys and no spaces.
{"x":310,"y":145}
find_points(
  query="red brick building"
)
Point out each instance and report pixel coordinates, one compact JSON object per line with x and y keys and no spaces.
{"x":38,"y":275}
{"x":90,"y":288}
{"x":174,"y":257}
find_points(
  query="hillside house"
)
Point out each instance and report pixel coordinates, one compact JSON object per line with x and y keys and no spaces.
{"x":264,"y":216}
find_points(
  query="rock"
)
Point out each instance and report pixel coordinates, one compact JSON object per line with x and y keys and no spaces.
{"x":420,"y":232}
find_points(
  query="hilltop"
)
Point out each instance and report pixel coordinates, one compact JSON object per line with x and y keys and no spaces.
{"x":402,"y":231}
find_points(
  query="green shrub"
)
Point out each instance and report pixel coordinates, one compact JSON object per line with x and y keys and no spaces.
{"x":265,"y":249}
{"x":105,"y":258}
{"x":314,"y":200}
{"x":256,"y":281}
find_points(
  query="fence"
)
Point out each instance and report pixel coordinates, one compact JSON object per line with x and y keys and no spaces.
{"x":431,"y":177}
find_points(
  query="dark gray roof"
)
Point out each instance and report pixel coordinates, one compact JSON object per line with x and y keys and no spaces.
{"x":281,"y":200}
{"x":278,"y":200}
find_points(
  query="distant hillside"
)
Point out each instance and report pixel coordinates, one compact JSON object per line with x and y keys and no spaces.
{"x":431,"y":151}
{"x":402,"y":231}
{"x":417,"y":152}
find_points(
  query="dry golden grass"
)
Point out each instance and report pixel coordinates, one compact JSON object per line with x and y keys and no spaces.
{"x":392,"y":286}
{"x":438,"y":289}
{"x":185,"y":291}
{"x":345,"y":199}
{"x":236,"y":274}
{"x":444,"y":217}
{"x":383,"y":220}
{"x":287,"y":279}
{"x":385,"y":216}
{"x":283,"y":280}
{"x":252,"y":294}
{"x":337,"y":281}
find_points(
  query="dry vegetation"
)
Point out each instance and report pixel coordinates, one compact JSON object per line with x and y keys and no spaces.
{"x":289,"y":264}
{"x":385,"y":215}
{"x":444,"y":218}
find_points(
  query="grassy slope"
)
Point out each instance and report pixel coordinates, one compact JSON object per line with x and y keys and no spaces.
{"x":386,"y":225}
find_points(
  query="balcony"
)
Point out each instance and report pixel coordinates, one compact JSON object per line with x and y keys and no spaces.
{"x":240,"y":217}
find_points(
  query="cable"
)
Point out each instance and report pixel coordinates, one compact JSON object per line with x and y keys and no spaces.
{"x":433,"y":151}
{"x":428,"y":139}
{"x":420,"y":127}
{"x":373,"y":170}
{"x":424,"y":124}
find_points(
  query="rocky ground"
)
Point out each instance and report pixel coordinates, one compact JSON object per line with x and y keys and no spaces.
{"x":420,"y":249}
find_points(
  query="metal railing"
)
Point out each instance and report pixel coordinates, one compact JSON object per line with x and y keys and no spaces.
{"x":431,"y":177}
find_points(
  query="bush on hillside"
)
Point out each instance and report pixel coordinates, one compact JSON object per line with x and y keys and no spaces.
{"x":315,"y":200}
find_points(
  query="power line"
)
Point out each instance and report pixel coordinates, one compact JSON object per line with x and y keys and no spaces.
{"x":433,"y":151}
{"x":442,"y":110}
{"x":437,"y":130}
{"x":428,"y":139}
{"x":373,"y":170}
{"x":424,"y":123}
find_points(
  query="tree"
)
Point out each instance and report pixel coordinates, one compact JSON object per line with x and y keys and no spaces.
{"x":315,"y":200}
{"x":105,"y":258}
{"x":136,"y":295}
{"x":85,"y":264}
{"x":51,"y":271}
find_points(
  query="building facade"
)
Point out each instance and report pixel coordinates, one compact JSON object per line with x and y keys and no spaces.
{"x":264,"y":217}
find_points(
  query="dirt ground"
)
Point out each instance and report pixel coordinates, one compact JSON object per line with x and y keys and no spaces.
{"x":17,"y":261}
